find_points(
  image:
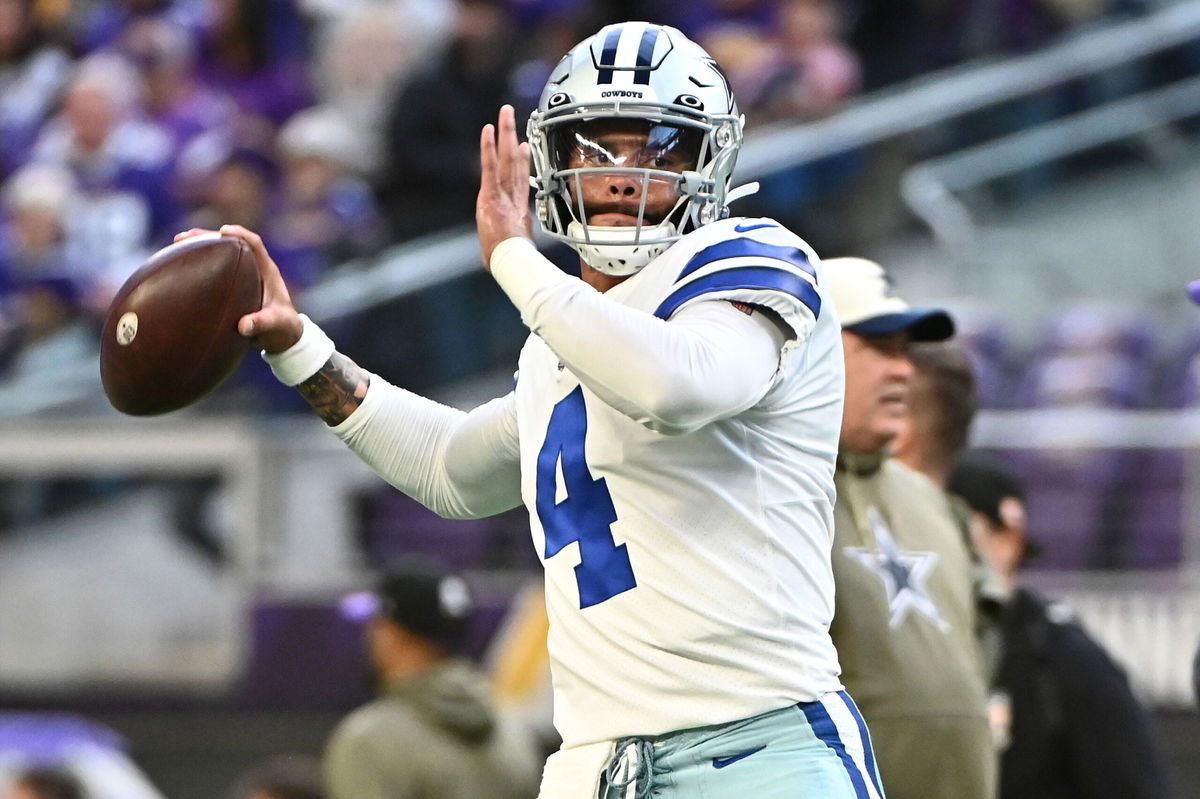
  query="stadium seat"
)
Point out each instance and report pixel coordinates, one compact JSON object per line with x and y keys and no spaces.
{"x":392,"y":524}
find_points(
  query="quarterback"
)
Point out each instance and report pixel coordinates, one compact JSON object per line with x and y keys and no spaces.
{"x":672,"y":430}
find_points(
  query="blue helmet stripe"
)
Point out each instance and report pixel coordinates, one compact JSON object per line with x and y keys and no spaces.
{"x":645,"y":55}
{"x":608,"y":56}
{"x":738,"y":248}
{"x":750,"y":277}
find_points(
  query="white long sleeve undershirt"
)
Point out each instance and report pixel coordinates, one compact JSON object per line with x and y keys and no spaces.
{"x":708,"y":362}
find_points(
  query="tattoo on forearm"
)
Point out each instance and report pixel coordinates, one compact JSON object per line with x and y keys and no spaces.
{"x":336,"y":390}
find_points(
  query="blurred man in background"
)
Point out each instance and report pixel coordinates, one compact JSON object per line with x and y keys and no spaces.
{"x":1072,"y":726}
{"x":906,"y":617}
{"x":433,"y":731}
{"x":942,"y":401}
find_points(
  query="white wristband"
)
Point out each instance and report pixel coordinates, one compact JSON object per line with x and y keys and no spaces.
{"x":303,"y":359}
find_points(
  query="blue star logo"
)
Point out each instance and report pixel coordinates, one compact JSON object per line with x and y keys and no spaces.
{"x":903,"y":574}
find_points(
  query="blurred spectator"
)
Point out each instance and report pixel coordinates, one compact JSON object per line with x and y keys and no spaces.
{"x":940,"y":408}
{"x":45,"y":783}
{"x":433,"y":706}
{"x":1092,"y":355}
{"x":1070,"y":724}
{"x":235,"y":188}
{"x":255,"y":52}
{"x":430,"y":183}
{"x":698,"y":17}
{"x":176,"y":99}
{"x":238,"y":191}
{"x":434,"y":121}
{"x":365,"y":52}
{"x":42,"y":315}
{"x":800,"y":71}
{"x":101,"y":25}
{"x":326,"y":212}
{"x":551,"y":28}
{"x":942,"y":402}
{"x":35,"y":208}
{"x":122,"y":162}
{"x":240,"y":185}
{"x":283,"y":777}
{"x":32,"y":72}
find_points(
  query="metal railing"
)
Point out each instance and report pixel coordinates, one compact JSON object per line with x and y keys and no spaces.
{"x":919,"y":104}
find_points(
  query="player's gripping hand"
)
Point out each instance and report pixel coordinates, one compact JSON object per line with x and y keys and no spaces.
{"x":502,"y":209}
{"x":276,"y":326}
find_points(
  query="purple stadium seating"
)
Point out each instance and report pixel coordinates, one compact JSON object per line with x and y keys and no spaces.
{"x":394,"y":525}
{"x":1156,"y":513}
{"x":307,"y":656}
{"x":1074,"y":499}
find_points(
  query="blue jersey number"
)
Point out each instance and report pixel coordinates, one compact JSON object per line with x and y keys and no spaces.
{"x":586,"y":512}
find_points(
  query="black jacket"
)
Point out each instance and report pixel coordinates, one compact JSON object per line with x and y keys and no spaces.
{"x":1077,"y":730}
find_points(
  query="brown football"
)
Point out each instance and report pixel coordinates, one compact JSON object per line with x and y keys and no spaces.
{"x":171,"y":332}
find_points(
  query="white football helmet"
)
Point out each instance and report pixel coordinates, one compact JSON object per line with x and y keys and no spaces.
{"x":652,"y":74}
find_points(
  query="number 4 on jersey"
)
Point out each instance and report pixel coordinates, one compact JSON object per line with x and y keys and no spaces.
{"x":587,"y":512}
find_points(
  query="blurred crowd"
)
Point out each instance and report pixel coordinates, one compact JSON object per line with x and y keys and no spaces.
{"x":334,"y":128}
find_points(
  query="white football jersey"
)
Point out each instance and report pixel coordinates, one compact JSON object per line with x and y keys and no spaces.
{"x":688,"y":577}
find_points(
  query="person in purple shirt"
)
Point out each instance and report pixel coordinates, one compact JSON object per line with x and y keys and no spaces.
{"x":103,"y":136}
{"x":32,"y":72}
{"x":253,"y":52}
{"x":165,"y":54}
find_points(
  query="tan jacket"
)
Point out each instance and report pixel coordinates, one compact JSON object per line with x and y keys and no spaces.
{"x":905,"y":626}
{"x":431,"y":737}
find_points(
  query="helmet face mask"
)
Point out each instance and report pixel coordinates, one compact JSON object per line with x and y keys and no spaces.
{"x":646,"y":111}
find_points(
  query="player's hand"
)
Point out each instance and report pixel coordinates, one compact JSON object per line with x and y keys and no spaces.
{"x":502,"y":209}
{"x":276,"y":326}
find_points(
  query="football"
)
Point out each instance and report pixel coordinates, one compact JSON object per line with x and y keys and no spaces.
{"x":171,"y":336}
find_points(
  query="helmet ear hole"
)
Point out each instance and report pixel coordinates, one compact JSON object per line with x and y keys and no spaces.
{"x":689,"y":101}
{"x":557,"y":99}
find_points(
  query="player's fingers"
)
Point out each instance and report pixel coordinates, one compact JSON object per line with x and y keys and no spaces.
{"x":245,"y":234}
{"x":520,"y":174}
{"x":191,"y":232}
{"x":274,"y":328}
{"x":273,"y":284}
{"x":507,"y":144}
{"x":247,"y":325}
{"x":487,"y":160}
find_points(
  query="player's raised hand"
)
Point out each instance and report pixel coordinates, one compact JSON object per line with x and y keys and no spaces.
{"x":276,"y":326}
{"x":502,"y":209}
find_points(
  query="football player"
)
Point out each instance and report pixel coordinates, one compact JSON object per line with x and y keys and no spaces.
{"x":672,"y":430}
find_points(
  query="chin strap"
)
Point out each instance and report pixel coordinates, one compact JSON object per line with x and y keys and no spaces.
{"x":745,"y":190}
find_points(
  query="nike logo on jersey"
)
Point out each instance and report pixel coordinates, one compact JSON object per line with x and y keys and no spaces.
{"x":722,"y":762}
{"x":743,"y":228}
